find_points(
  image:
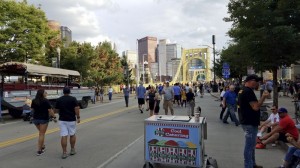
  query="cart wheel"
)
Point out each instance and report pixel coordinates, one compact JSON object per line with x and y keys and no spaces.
{"x":150,"y":165}
{"x":212,"y":163}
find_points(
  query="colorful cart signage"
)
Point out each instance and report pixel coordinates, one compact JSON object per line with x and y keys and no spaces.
{"x":173,"y":142}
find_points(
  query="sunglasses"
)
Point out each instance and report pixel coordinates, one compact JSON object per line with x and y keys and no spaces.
{"x":272,"y":109}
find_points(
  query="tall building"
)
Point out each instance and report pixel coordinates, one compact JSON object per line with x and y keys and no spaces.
{"x":173,"y":53}
{"x":147,"y":54}
{"x":162,"y":58}
{"x":66,"y":35}
{"x":132,"y":62}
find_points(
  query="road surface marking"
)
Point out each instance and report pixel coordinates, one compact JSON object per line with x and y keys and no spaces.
{"x":119,"y":153}
{"x":49,"y":131}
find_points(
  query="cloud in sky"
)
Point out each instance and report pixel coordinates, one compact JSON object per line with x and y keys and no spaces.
{"x":187,"y":22}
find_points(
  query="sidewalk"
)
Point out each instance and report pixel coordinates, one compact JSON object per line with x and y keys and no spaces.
{"x":283,"y":101}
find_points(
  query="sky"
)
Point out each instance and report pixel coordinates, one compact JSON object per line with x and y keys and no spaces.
{"x":190,"y":23}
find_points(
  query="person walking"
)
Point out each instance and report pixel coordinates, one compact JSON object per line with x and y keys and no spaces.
{"x":42,"y":110}
{"x":249,"y":115}
{"x":190,"y":98}
{"x":223,"y":106}
{"x":157,"y":103}
{"x":229,"y":100}
{"x":140,"y":94}
{"x":168,"y":98}
{"x":183,"y":97}
{"x":126,"y":92}
{"x":151,"y":94}
{"x":101,"y":93}
{"x":68,"y":110}
{"x":177,"y":94}
{"x":110,"y":92}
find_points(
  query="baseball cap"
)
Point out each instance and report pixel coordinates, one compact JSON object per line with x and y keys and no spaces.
{"x":282,"y":110}
{"x":66,"y":90}
{"x":253,"y":77}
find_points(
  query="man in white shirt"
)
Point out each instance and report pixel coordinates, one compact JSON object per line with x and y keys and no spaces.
{"x":270,"y":123}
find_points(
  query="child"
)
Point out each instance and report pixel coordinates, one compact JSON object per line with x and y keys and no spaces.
{"x":183,"y":97}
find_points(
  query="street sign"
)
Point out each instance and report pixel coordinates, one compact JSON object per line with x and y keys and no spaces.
{"x":225,"y":76}
{"x":225,"y":72}
{"x":225,"y":65}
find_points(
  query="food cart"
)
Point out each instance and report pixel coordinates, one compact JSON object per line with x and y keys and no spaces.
{"x":175,"y":140}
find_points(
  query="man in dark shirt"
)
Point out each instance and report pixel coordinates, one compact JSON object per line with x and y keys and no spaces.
{"x":249,"y":115}
{"x":68,"y":110}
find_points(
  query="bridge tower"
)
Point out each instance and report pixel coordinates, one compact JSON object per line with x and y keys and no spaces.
{"x":190,"y":71}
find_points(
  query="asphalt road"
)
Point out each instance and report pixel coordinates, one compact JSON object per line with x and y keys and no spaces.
{"x":111,"y":135}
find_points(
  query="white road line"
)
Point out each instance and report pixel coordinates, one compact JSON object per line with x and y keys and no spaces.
{"x":119,"y":153}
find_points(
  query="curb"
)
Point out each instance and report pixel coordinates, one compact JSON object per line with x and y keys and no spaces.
{"x":283,"y":145}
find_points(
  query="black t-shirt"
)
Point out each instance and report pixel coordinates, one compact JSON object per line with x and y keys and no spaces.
{"x":189,"y":96}
{"x":247,"y":115}
{"x":41,"y":110}
{"x":66,"y":106}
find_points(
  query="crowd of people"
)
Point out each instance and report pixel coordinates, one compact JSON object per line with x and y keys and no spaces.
{"x":179,"y":95}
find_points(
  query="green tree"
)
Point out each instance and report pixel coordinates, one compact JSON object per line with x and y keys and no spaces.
{"x":23,"y":32}
{"x":78,"y":56}
{"x":266,"y":33}
{"x":126,"y":71}
{"x":106,"y":67}
{"x":232,"y":56}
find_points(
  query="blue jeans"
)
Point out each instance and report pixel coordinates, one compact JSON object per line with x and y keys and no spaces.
{"x":291,"y":151}
{"x":250,"y":142}
{"x":231,"y":109}
{"x":109,"y":96}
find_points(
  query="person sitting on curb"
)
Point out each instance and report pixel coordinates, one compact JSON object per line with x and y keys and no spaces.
{"x":286,"y":125}
{"x":270,"y":123}
{"x":293,"y":154}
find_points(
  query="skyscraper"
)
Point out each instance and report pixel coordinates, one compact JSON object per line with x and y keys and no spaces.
{"x":66,"y":35}
{"x":146,"y":52}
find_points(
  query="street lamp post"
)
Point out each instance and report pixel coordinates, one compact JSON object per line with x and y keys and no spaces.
{"x":214,"y":52}
{"x":58,"y":57}
{"x":144,"y":68}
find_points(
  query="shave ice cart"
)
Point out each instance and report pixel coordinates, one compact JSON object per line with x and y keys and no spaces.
{"x":175,"y":140}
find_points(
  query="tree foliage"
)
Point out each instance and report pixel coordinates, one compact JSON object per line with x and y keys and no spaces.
{"x":126,"y":71}
{"x":106,"y":66}
{"x":23,"y":32}
{"x":266,"y":34}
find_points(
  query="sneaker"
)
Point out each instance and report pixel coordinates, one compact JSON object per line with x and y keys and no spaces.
{"x":259,"y":134}
{"x":260,"y":146}
{"x":38,"y":153}
{"x":64,"y":156}
{"x":274,"y":144}
{"x":141,"y":110}
{"x":44,"y":148}
{"x":225,"y":122}
{"x":257,"y":166}
{"x":73,"y":152}
{"x":258,"y":140}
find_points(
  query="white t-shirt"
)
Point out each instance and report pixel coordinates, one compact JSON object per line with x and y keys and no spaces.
{"x":110,"y":90}
{"x":273,"y":118}
{"x":222,"y":93}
